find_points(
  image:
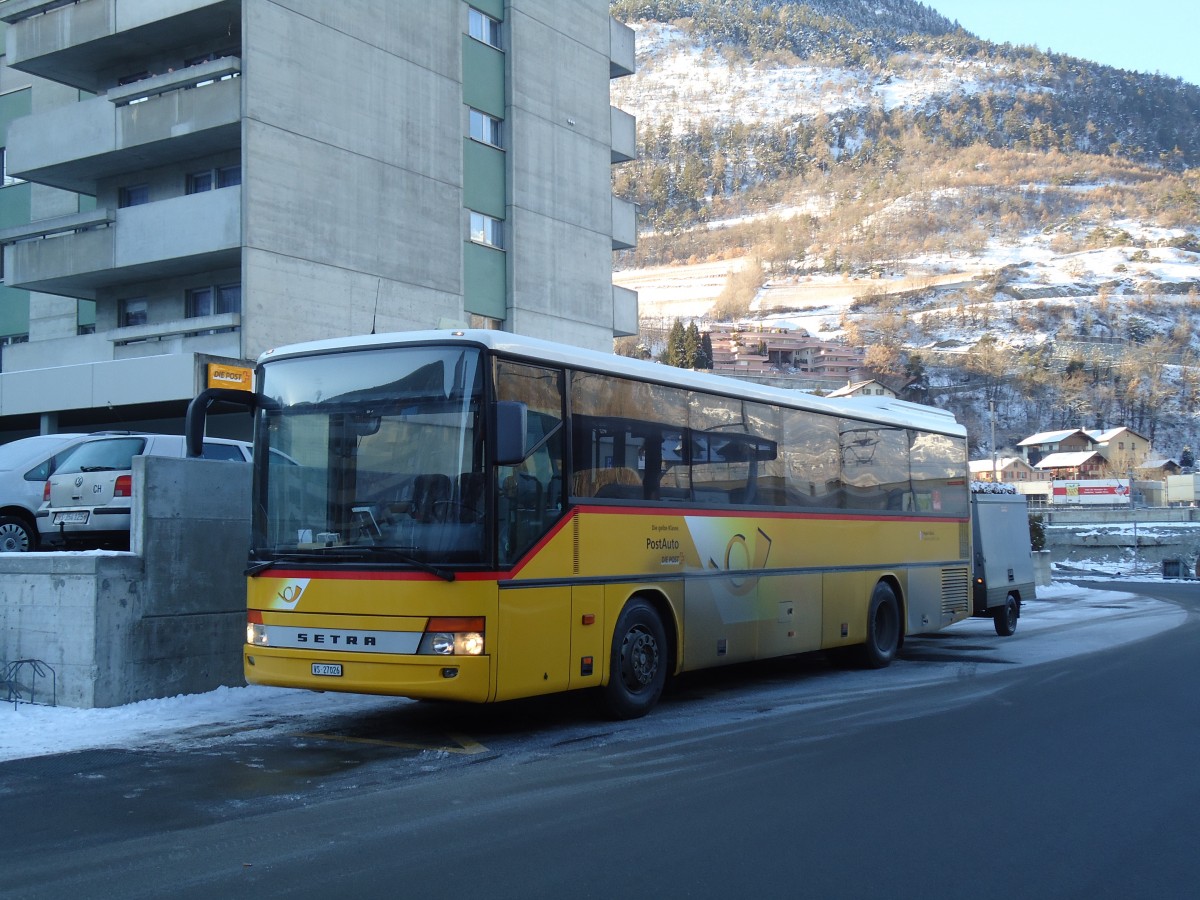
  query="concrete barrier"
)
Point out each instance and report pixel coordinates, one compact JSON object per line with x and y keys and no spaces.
{"x":166,"y":618}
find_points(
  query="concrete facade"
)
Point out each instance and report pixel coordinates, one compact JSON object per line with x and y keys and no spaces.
{"x":343,"y":172}
{"x":166,"y":618}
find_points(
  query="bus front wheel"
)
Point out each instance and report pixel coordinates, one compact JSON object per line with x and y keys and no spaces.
{"x":637,"y":669}
{"x":883,"y":628}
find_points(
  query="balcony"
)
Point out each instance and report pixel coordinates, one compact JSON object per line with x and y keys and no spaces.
{"x":620,"y":50}
{"x":82,"y":43}
{"x":79,"y":257}
{"x":624,"y":224}
{"x":623,"y":128}
{"x":154,"y":122}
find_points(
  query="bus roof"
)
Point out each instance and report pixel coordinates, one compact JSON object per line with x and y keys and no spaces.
{"x":877,"y":409}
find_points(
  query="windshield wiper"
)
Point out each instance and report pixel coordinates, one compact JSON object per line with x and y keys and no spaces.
{"x":349,"y":554}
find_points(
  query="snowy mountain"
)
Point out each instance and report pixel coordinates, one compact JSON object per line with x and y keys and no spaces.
{"x":993,"y":223}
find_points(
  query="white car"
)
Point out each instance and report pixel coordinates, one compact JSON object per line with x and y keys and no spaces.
{"x":25,"y":464}
{"x":88,"y":499}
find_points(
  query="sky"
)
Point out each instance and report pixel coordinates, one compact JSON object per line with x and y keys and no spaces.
{"x":1143,"y":36}
{"x":1065,"y":620}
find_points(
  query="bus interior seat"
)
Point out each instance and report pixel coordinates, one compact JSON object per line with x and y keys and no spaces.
{"x":430,"y":493}
{"x":594,"y":482}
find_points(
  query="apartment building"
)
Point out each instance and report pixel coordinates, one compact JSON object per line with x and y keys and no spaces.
{"x":190,"y":183}
{"x":771,"y":350}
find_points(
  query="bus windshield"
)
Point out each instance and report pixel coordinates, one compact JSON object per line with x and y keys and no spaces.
{"x":373,"y":456}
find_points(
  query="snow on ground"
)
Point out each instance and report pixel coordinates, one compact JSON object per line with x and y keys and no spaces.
{"x":1065,"y":620}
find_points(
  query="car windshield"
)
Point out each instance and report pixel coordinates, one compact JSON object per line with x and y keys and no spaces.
{"x":374,"y":456}
{"x":111,"y":455}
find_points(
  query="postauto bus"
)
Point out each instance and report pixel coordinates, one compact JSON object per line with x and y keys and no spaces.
{"x":478,"y":516}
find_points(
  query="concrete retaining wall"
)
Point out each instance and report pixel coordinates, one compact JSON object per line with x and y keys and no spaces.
{"x":166,"y":618}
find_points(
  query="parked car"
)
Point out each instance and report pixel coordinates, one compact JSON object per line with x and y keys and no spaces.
{"x":88,"y":499}
{"x":25,"y":464}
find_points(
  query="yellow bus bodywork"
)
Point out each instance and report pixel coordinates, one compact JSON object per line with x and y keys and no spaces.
{"x":729,"y":587}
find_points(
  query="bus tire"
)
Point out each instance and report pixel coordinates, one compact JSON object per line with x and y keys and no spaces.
{"x":1005,"y":617}
{"x":637,"y":670}
{"x":883,"y":628}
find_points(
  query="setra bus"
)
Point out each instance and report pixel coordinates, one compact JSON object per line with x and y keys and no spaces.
{"x":479,"y":516}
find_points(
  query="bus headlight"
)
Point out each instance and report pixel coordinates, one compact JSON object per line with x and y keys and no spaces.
{"x":256,"y":633}
{"x":453,"y":636}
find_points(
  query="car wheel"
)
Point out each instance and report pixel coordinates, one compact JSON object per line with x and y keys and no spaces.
{"x":1005,"y":618}
{"x":16,"y":535}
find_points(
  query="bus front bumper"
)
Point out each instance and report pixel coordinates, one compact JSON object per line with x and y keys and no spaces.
{"x":464,"y":678}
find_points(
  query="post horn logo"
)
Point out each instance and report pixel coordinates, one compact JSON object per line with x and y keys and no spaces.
{"x":289,"y":594}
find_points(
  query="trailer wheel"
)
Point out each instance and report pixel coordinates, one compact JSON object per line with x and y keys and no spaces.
{"x":638,"y":664}
{"x":883,"y":628}
{"x":1005,"y":617}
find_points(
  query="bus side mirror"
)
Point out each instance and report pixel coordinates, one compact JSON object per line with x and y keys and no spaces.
{"x":511,"y":416}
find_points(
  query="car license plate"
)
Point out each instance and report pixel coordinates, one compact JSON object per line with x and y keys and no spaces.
{"x":71,"y":518}
{"x":334,"y":669}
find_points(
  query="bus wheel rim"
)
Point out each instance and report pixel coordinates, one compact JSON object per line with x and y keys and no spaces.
{"x":639,"y":657}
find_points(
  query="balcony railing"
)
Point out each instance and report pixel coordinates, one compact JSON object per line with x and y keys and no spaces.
{"x":78,"y":256}
{"x":154,"y":122}
{"x":82,"y":42}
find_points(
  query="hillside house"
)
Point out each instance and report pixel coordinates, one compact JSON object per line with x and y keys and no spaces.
{"x":1123,"y":447}
{"x":1038,"y":446}
{"x":871,"y":388}
{"x":1074,"y":466}
{"x":1006,"y":469}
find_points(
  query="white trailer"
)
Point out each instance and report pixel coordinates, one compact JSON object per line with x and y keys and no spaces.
{"x":1002,"y":558}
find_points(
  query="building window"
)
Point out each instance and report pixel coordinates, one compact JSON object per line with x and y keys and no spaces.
{"x":207,"y":179}
{"x":214,"y":301}
{"x":8,"y":179}
{"x":134,"y":311}
{"x":485,"y":128}
{"x":487,"y":230}
{"x":483,"y":27}
{"x":133,"y":195}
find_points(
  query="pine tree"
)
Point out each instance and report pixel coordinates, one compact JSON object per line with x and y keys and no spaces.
{"x":705,"y":360}
{"x":691,"y":347}
{"x":674,"y":354}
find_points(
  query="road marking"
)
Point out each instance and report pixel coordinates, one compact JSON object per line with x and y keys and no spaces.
{"x":466,"y":745}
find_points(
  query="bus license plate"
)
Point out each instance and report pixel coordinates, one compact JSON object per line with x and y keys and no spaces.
{"x":334,"y":669}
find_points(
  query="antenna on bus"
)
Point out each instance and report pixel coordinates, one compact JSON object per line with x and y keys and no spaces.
{"x":375,"y":311}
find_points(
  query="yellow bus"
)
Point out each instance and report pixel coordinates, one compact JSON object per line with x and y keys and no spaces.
{"x":479,"y":516}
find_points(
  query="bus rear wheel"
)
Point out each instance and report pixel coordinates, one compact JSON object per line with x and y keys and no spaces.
{"x":1005,"y":618}
{"x":637,"y":669}
{"x":883,"y":628}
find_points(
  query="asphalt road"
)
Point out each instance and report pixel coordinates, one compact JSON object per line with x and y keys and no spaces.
{"x":1075,"y":778}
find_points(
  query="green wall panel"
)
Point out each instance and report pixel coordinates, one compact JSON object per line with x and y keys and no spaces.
{"x":14,"y":205}
{"x":483,"y":77}
{"x":483,"y":178}
{"x":14,"y":311}
{"x":14,"y":105}
{"x":494,"y":8}
{"x":484,"y":281}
